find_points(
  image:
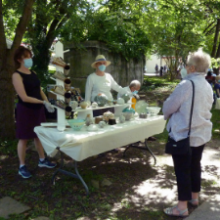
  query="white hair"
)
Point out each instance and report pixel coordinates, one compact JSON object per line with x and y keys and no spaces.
{"x":200,"y":60}
{"x":135,"y":83}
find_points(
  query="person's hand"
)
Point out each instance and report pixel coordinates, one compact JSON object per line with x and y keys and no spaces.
{"x":136,"y":96}
{"x":49,"y":107}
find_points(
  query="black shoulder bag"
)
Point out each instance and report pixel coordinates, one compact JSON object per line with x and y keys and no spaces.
{"x":182,"y":146}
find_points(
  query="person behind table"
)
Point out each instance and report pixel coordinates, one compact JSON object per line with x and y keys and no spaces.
{"x":100,"y":82}
{"x":30,"y":109}
{"x":177,"y":109}
{"x":132,"y":90}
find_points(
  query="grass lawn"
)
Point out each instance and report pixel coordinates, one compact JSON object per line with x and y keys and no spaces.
{"x":121,"y":200}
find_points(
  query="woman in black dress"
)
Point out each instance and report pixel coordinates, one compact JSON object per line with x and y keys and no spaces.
{"x":30,"y":108}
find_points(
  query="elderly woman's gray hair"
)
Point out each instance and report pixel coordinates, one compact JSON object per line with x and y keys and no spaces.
{"x":200,"y":60}
{"x":135,"y":83}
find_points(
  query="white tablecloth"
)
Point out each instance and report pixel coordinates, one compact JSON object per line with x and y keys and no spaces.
{"x":80,"y":145}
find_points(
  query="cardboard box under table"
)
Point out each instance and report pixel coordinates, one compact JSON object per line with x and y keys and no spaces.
{"x":83,"y":144}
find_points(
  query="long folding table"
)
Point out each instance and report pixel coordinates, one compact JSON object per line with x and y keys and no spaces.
{"x":80,"y":145}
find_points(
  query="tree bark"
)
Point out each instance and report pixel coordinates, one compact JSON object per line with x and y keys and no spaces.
{"x":216,"y":38}
{"x":218,"y":51}
{"x":7,"y":95}
{"x":41,"y":50}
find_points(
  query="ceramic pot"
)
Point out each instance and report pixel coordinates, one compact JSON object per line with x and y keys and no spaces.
{"x":121,"y":118}
{"x":102,"y":124}
{"x":88,"y":120}
{"x":92,"y":128}
{"x":101,"y":100}
{"x":98,"y":119}
{"x":74,"y":104}
{"x":108,"y":115}
{"x":143,"y":115}
{"x":94,"y":105}
{"x":112,"y":121}
{"x":83,"y":105}
{"x":128,"y":113}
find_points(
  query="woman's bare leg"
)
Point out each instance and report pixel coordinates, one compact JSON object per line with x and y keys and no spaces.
{"x":21,"y":149}
{"x":39,"y":148}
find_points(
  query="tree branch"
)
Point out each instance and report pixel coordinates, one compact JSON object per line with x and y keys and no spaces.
{"x":3,"y":44}
{"x":22,"y":25}
{"x":207,"y":28}
{"x":58,"y":22}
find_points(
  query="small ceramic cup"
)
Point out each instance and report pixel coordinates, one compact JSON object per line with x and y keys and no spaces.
{"x":112,"y":121}
{"x":98,"y":119}
{"x":94,"y":105}
{"x":68,"y":110}
{"x":67,"y":83}
{"x":102,"y":124}
{"x":67,"y":97}
{"x":66,"y":70}
{"x":83,"y":105}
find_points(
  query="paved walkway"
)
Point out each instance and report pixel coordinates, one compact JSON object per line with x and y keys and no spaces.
{"x":151,"y":74}
{"x":209,"y":210}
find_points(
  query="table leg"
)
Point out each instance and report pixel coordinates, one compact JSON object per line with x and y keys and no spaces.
{"x":141,"y":148}
{"x":150,"y":151}
{"x":126,"y":150}
{"x":74,"y":175}
{"x":81,"y":179}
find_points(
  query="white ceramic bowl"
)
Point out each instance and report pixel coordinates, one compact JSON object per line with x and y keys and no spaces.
{"x":153,"y":110}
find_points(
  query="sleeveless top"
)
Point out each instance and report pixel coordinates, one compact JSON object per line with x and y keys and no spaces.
{"x":32,"y":88}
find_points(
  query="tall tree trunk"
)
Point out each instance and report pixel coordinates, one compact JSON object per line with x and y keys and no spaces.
{"x":218,"y":51}
{"x":7,"y":95}
{"x":41,"y":60}
{"x":216,"y":38}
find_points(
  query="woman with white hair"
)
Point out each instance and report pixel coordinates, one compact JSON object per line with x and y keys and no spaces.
{"x":177,"y":109}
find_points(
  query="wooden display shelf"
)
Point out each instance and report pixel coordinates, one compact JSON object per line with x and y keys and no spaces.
{"x":79,"y":109}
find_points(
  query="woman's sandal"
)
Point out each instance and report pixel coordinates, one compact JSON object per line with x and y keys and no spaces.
{"x":169,"y":211}
{"x":194,"y":202}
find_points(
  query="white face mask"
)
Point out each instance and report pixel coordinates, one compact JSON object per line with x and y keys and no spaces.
{"x":183,"y":73}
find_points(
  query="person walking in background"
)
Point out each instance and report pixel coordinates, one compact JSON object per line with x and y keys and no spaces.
{"x":161,"y":71}
{"x":165,"y":69}
{"x":156,"y":69}
{"x":177,"y":109}
{"x":30,"y":109}
{"x":217,"y":86}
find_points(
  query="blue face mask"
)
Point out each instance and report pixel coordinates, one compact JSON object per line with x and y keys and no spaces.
{"x":219,"y":80}
{"x":135,"y":92}
{"x":183,"y":73}
{"x":102,"y":67}
{"x":28,"y":63}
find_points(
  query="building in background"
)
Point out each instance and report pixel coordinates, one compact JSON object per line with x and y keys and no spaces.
{"x":153,"y":61}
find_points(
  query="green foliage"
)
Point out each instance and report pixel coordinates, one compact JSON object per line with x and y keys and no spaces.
{"x":173,"y":31}
{"x":151,"y":83}
{"x":215,"y":62}
{"x":216,"y":122}
{"x":119,"y":29}
{"x":8,"y":147}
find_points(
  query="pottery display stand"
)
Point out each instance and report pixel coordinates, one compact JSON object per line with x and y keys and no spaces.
{"x":61,"y":117}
